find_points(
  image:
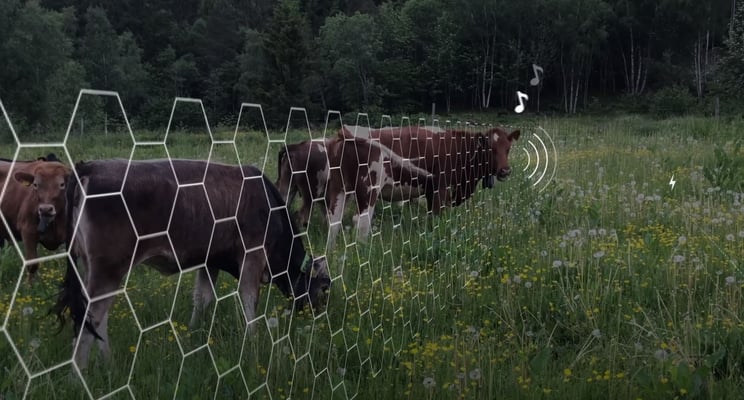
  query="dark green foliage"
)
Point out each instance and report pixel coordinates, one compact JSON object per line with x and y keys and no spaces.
{"x":391,"y":57}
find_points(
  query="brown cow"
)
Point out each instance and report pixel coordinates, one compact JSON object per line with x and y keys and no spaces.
{"x":171,"y":229}
{"x":345,"y":165}
{"x":33,"y":205}
{"x":458,"y":159}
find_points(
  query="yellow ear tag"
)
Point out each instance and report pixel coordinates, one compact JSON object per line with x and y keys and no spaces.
{"x":26,"y":183}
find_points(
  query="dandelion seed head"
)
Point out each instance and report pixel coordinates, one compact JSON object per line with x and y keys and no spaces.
{"x":730,"y":237}
{"x":599,"y":254}
{"x":475,"y":374}
{"x":429,"y":382}
{"x":272,"y":322}
{"x":597,"y":333}
{"x":557,"y":263}
{"x":678,"y":259}
{"x":682,"y":240}
{"x":28,"y":310}
{"x":730,"y":280}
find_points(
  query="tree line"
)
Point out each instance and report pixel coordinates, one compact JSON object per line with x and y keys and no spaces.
{"x":397,"y":56}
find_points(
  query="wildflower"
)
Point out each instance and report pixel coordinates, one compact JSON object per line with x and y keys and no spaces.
{"x":473,"y":274}
{"x":28,"y":310}
{"x":545,"y":253}
{"x":597,"y":333}
{"x":557,"y":263}
{"x":500,"y":269}
{"x":35,"y":343}
{"x":592,"y":232}
{"x":475,"y":374}
{"x":567,"y":372}
{"x":528,"y":284}
{"x":286,"y":350}
{"x":741,"y":234}
{"x":517,"y":279}
{"x":678,"y":259}
{"x":682,"y":240}
{"x":562,"y":245}
{"x":730,"y":280}
{"x":730,"y":237}
{"x":661,"y":354}
{"x":429,"y":382}
{"x":272,"y":322}
{"x":638,"y":346}
{"x":599,"y":254}
{"x":602,"y":231}
{"x":341,"y":371}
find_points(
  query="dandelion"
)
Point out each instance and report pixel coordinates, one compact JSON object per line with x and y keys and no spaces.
{"x":682,"y":240}
{"x":562,"y":245}
{"x":286,"y":350}
{"x":341,"y":371}
{"x":741,"y":234}
{"x":638,"y":346}
{"x":35,"y":343}
{"x":528,"y":284}
{"x":730,"y":280}
{"x":473,"y":274}
{"x":592,"y":232}
{"x":517,"y":279}
{"x":557,"y":263}
{"x":678,"y":259}
{"x":602,"y":231}
{"x":545,"y":253}
{"x":661,"y":354}
{"x":429,"y":382}
{"x":273,"y":322}
{"x":475,"y":374}
{"x":599,"y":254}
{"x":730,"y":237}
{"x":28,"y":310}
{"x":597,"y":333}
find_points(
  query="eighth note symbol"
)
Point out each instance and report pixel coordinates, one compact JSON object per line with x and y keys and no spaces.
{"x":520,"y":107}
{"x":536,"y":80}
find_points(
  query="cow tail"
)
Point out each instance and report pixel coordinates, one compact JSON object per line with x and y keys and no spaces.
{"x":71,"y":296}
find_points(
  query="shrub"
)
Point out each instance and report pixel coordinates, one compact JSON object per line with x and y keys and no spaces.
{"x":673,"y":100}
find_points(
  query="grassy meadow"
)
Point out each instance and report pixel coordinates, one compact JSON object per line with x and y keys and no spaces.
{"x":607,"y":284}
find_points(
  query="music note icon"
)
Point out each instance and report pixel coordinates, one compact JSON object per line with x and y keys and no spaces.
{"x":520,"y":107}
{"x":536,"y":80}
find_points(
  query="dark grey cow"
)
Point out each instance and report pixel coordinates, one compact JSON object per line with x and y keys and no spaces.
{"x":253,"y":237}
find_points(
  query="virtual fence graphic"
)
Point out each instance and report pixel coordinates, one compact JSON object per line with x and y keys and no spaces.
{"x":313,"y":297}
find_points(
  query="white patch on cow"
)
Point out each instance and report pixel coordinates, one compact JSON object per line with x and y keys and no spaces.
{"x":495,"y":137}
{"x":334,"y":219}
{"x":321,"y":148}
{"x":363,"y":223}
{"x":322,"y":177}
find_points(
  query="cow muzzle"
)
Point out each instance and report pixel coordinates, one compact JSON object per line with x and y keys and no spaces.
{"x":47,"y":213}
{"x":503,"y":173}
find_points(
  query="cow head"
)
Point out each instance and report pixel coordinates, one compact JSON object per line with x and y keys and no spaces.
{"x":314,"y":280}
{"x":48,"y":183}
{"x":499,"y":143}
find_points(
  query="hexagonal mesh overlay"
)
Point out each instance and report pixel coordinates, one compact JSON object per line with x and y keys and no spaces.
{"x":212,"y":262}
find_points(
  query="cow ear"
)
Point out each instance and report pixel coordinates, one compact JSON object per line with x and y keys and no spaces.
{"x":514,"y":135}
{"x":24,"y":178}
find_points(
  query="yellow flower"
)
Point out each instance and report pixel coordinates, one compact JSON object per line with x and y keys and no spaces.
{"x":567,"y":372}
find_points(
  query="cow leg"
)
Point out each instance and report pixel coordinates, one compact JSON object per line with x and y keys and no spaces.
{"x":102,"y":279}
{"x":251,"y":275}
{"x":335,"y":199}
{"x":307,"y":202}
{"x":366,"y":199}
{"x":30,"y":239}
{"x":203,"y":294}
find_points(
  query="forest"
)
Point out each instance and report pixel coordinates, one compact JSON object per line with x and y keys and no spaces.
{"x":660,"y":57}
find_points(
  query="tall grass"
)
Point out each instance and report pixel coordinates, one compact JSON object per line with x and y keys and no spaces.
{"x":609,"y":283}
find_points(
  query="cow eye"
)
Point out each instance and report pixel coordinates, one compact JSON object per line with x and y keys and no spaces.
{"x":62,"y":185}
{"x":36,"y":185}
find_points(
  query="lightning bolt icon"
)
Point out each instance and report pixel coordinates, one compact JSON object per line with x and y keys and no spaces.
{"x":672,"y":182}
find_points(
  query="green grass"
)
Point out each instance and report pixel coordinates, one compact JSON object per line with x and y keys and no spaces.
{"x":606,"y":284}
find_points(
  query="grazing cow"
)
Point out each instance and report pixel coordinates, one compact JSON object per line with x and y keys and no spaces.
{"x":344,"y":164}
{"x":171,"y":229}
{"x":458,"y":159}
{"x":33,"y":204}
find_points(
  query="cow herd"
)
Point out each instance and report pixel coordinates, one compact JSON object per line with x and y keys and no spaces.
{"x":178,"y":215}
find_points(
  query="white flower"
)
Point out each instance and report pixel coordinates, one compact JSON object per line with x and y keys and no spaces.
{"x":28,"y":310}
{"x":517,"y":279}
{"x":592,"y":232}
{"x":599,"y":254}
{"x":500,"y":269}
{"x":741,"y":234}
{"x":597,"y":333}
{"x":638,"y":346}
{"x":602,"y":231}
{"x":557,"y":263}
{"x":429,"y":382}
{"x":562,"y":245}
{"x":678,"y":258}
{"x":286,"y":350}
{"x":661,"y":354}
{"x":528,"y":284}
{"x":473,"y":274}
{"x":341,"y":371}
{"x":475,"y":374}
{"x":730,"y":280}
{"x":35,"y":343}
{"x":544,"y":253}
{"x":682,"y":240}
{"x":730,"y":237}
{"x":272,"y":322}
